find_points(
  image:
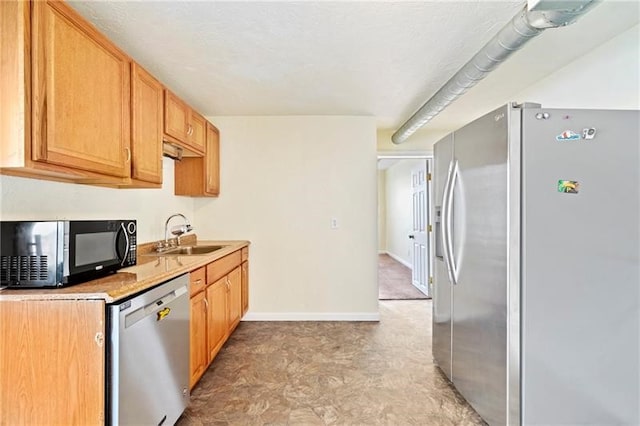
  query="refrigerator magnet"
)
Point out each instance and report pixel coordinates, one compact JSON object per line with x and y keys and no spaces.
{"x":588,"y":133}
{"x":568,"y":135}
{"x":568,"y":186}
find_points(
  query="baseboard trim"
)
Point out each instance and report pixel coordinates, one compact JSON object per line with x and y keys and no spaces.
{"x":401,"y":260}
{"x":312,"y":316}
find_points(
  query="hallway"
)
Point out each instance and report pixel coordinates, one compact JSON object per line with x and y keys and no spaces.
{"x":326,"y":373}
{"x":394,"y":280}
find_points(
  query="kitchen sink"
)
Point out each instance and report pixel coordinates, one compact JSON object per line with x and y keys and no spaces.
{"x":187,"y":251}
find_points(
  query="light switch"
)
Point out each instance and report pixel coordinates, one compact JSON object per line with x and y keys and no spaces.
{"x":334,"y":223}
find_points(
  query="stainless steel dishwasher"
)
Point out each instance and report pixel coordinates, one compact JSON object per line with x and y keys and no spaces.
{"x":148,"y":364}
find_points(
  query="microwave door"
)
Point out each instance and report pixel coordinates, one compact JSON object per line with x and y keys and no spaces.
{"x":92,"y":248}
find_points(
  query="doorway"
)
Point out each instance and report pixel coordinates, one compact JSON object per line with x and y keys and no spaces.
{"x":404,"y":224}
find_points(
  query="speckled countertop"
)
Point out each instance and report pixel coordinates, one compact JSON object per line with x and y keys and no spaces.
{"x":150,"y":271}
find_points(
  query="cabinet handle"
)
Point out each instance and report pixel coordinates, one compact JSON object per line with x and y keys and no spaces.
{"x":198,"y":282}
{"x":128,"y":154}
{"x":190,"y":130}
{"x":206,"y":303}
{"x":99,"y":338}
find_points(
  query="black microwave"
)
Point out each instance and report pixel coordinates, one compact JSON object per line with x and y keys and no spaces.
{"x":64,"y":252}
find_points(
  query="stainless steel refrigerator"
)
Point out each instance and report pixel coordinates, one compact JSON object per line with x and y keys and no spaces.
{"x":537,"y":267}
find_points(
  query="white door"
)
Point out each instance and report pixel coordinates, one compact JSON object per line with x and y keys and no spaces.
{"x":419,"y":235}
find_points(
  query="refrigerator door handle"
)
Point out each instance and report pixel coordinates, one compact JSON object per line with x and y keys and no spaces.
{"x":449,"y":226}
{"x":446,"y":234}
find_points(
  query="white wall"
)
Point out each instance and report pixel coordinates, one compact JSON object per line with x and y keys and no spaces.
{"x":34,"y":199}
{"x":382,"y":211}
{"x":399,"y":209}
{"x":608,"y":77}
{"x":420,"y":142}
{"x":282,"y":180}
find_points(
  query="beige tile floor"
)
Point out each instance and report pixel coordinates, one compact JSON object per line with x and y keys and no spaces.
{"x":330,"y":373}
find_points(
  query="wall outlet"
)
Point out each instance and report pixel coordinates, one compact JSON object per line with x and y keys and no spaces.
{"x":334,"y":223}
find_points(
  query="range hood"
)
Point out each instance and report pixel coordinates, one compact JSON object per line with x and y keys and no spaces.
{"x":172,"y":150}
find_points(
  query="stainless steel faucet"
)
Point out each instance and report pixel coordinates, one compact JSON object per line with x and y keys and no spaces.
{"x":178,"y":231}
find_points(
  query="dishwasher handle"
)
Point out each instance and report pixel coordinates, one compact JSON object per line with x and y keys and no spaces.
{"x":160,"y":304}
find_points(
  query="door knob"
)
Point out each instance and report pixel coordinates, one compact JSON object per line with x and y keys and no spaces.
{"x":412,"y":237}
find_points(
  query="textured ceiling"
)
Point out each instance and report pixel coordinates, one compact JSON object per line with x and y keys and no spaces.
{"x":375,"y":58}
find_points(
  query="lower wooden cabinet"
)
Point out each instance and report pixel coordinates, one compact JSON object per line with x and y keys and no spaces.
{"x":245,"y":287}
{"x":217,"y":317}
{"x":40,"y":340}
{"x":234,"y":285}
{"x":216,"y":309}
{"x":199,"y":354}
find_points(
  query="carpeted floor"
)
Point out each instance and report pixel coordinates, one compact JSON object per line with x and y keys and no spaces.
{"x":394,"y":280}
{"x":330,"y":373}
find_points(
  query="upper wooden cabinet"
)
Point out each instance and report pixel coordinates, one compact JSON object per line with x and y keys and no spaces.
{"x":81,"y":94}
{"x":146,"y":126}
{"x":212,"y":162}
{"x":200,"y":176}
{"x":182,"y":125}
{"x":198,"y":130}
{"x":65,"y":96}
{"x":15,"y":88}
{"x":176,"y":117}
{"x":76,"y":108}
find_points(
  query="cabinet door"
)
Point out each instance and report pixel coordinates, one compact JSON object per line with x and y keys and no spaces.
{"x":217,"y":322}
{"x":200,"y":176}
{"x":176,"y":117}
{"x":52,"y":362}
{"x":14,"y":80}
{"x":81,"y":94}
{"x":197,"y":131}
{"x":199,"y":354}
{"x":234,"y":281}
{"x":245,"y":287}
{"x":212,"y":158}
{"x":147,"y":126}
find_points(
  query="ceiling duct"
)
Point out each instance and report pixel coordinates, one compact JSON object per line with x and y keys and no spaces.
{"x":537,"y":16}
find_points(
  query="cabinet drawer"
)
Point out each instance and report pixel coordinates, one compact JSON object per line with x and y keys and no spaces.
{"x":198,"y":281}
{"x":245,"y":253}
{"x":221,"y":267}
